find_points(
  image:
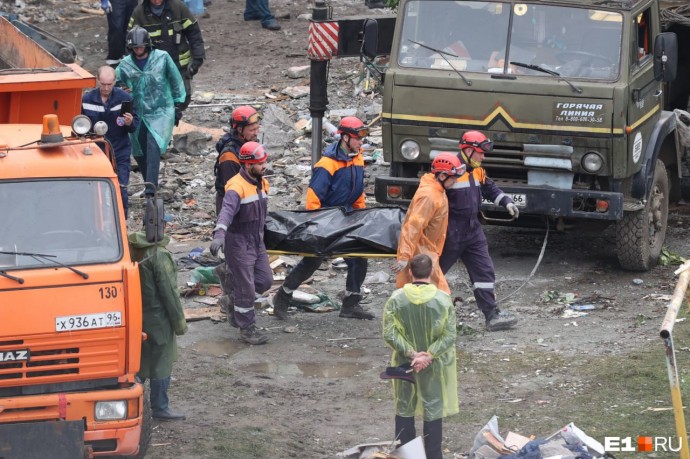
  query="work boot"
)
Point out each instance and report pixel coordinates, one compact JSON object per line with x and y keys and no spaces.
{"x":253,"y":336}
{"x":281,"y":300}
{"x":352,"y":310}
{"x":500,"y":320}
{"x":224,"y":304}
{"x":169,"y":415}
{"x":271,"y":25}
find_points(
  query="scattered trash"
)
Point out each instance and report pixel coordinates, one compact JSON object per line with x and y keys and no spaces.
{"x":582,"y":307}
{"x":204,"y":275}
{"x":569,"y":441}
{"x":637,"y":281}
{"x":668,"y":258}
{"x":379,"y":277}
{"x":556,"y":297}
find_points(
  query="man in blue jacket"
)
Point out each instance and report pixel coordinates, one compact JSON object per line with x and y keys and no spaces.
{"x":105,"y":104}
{"x":337,"y":180}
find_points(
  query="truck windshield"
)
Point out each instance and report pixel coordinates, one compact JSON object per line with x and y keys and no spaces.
{"x":485,"y":37}
{"x":76,"y":221}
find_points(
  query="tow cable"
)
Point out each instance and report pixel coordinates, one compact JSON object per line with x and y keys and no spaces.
{"x":536,"y":266}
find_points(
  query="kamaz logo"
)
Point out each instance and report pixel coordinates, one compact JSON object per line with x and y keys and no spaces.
{"x":13,"y":356}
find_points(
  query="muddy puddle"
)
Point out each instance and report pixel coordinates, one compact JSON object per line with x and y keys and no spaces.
{"x":307,"y":369}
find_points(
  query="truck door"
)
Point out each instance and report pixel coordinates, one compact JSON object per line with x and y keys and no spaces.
{"x":645,"y":93}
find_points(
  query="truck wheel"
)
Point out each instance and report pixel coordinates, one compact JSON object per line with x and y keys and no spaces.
{"x":640,"y":235}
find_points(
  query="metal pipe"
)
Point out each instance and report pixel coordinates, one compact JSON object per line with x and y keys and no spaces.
{"x":666,"y":332}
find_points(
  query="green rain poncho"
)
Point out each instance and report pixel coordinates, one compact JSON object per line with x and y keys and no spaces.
{"x":420,"y":318}
{"x":162,"y":309}
{"x":155,"y":90}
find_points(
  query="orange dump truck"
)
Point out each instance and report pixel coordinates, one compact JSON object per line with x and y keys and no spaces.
{"x":70,"y":301}
{"x":33,"y":82}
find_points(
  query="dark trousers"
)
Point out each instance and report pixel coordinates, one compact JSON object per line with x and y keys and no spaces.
{"x":150,"y":163}
{"x":356,"y":272}
{"x":475,"y":256}
{"x":258,"y":9}
{"x":433,"y":435}
{"x":250,"y":271}
{"x":123,"y":170}
{"x":159,"y":394}
{"x":118,"y":20}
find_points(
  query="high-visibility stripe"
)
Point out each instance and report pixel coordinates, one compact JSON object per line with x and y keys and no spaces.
{"x":499,"y":197}
{"x":463,"y":184}
{"x":252,"y":198}
{"x":243,"y":310}
{"x":486,"y":285}
{"x":93,"y":108}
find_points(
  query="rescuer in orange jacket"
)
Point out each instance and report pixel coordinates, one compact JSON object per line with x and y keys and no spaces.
{"x":426,"y":220}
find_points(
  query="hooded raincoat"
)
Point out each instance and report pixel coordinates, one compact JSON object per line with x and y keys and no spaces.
{"x":424,"y":229}
{"x":416,"y":318}
{"x":162,"y":309}
{"x":155,"y":91}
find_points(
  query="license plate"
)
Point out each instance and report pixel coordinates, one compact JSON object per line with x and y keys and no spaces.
{"x":88,"y":321}
{"x":520,"y":200}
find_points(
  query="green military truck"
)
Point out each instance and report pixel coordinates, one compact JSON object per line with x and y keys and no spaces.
{"x":578,"y":97}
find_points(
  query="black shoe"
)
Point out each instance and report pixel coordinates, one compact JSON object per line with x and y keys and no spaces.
{"x":271,"y":25}
{"x":253,"y":336}
{"x":169,"y":415}
{"x":281,"y":300}
{"x":500,"y":320}
{"x":352,"y":310}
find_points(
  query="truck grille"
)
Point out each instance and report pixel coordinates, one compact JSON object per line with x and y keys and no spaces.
{"x":56,"y":359}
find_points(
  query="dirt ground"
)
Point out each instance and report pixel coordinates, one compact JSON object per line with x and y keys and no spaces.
{"x":316,"y":391}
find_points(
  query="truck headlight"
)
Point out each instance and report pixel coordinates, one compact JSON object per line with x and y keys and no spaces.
{"x":111,"y":410}
{"x":409,"y":150}
{"x":81,"y":124}
{"x":592,"y":162}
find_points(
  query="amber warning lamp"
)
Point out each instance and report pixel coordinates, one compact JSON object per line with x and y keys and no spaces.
{"x":51,"y":130}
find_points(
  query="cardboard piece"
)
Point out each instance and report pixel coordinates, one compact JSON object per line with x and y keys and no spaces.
{"x":411,"y":450}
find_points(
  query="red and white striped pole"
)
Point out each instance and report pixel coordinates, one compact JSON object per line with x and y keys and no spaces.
{"x":323,"y":45}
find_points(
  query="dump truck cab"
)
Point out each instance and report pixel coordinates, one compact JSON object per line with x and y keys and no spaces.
{"x":572,"y":93}
{"x":70,"y":301}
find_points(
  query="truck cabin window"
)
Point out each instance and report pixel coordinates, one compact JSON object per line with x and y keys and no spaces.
{"x":73,"y":221}
{"x":478,"y":37}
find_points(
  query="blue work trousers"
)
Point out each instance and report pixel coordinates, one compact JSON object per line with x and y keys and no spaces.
{"x":123,"y":170}
{"x":248,"y":264}
{"x":258,"y":9}
{"x":150,"y":163}
{"x":118,"y":20}
{"x":159,"y":394}
{"x":474,"y":254}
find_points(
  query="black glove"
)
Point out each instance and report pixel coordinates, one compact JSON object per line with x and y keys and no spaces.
{"x":217,"y":245}
{"x":194,"y":66}
{"x":178,"y":115}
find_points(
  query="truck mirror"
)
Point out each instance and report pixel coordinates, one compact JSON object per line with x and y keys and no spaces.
{"x":370,"y":40}
{"x":665,"y":56}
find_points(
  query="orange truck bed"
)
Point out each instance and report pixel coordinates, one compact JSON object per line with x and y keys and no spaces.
{"x":33,"y":82}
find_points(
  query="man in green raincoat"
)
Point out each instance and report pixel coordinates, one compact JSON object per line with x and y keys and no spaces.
{"x":419,"y":325}
{"x":157,"y":91}
{"x":162,"y":313}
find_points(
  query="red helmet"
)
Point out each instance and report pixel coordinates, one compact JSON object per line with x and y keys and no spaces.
{"x":243,"y":116}
{"x":352,"y":125}
{"x":253,"y":153}
{"x":448,"y":163}
{"x":476,"y":140}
